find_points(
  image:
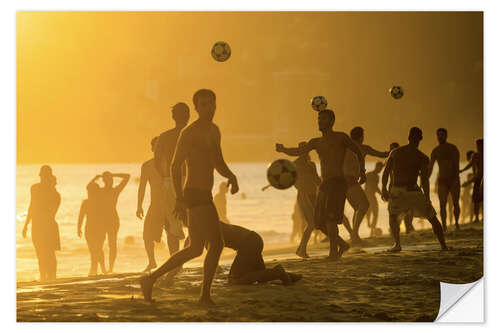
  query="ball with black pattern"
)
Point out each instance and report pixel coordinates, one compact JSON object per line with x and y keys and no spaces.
{"x":282,"y":174}
{"x":396,"y":92}
{"x":319,"y":103}
{"x":221,"y":51}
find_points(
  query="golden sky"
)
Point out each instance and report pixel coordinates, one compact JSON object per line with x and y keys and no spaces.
{"x":98,"y":86}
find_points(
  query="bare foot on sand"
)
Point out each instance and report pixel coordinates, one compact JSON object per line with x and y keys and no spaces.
{"x":332,"y":258}
{"x":395,"y":249}
{"x":294,"y":277}
{"x":206,"y":302}
{"x":146,"y":287}
{"x":284,"y":277}
{"x":301,"y":253}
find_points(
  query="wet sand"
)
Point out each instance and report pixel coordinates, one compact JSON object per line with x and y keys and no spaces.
{"x":367,"y":284}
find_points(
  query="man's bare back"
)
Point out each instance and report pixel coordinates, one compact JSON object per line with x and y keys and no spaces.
{"x":164,"y":151}
{"x":151,"y":176}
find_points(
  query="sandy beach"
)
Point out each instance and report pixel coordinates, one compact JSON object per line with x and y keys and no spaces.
{"x":368,"y":284}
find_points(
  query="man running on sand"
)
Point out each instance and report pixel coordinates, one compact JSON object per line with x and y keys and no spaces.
{"x":331,"y":148}
{"x":355,"y":194}
{"x":164,"y":152}
{"x":448,"y":158}
{"x":198,"y":146}
{"x":405,"y":164}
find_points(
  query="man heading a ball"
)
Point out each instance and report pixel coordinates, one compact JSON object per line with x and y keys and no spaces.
{"x":331,"y":148}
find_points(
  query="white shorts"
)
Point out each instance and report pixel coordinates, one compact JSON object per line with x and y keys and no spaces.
{"x":401,"y":201}
{"x":173,"y":225}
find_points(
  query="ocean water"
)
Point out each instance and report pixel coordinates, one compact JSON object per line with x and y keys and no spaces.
{"x":268,"y":213}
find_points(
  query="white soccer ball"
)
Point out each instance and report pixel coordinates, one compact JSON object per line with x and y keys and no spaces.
{"x":281,"y":174}
{"x":221,"y":51}
{"x":319,"y":103}
{"x":396,"y":92}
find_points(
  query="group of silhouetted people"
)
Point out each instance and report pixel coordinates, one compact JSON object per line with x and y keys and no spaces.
{"x":320,"y":201}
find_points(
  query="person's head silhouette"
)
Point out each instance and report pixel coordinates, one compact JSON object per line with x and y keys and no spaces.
{"x":92,"y":189}
{"x":415,"y":136}
{"x":180,"y":114}
{"x":204,"y":103}
{"x":326,"y":119}
{"x":46,"y":174}
{"x":357,"y":134}
{"x":442,"y":135}
{"x":107,"y":178}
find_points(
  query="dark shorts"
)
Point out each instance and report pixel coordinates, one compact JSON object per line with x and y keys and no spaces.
{"x":195,"y":197}
{"x":249,"y":257}
{"x":477,"y":190}
{"x":330,"y":202}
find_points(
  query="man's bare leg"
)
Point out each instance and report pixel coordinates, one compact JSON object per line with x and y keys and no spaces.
{"x":209,"y":267}
{"x":394,"y":224}
{"x":408,"y":219}
{"x":347,"y":225}
{"x":477,"y":205}
{"x":333,"y":235}
{"x":438,"y":231}
{"x":265,"y":275}
{"x":150,"y":250}
{"x":112,"y":249}
{"x":455,"y":196}
{"x":302,"y":249}
{"x":443,"y":200}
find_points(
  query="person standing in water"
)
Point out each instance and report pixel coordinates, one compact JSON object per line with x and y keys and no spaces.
{"x":476,"y":164}
{"x":220,"y":202}
{"x":94,"y":229}
{"x":111,"y":221}
{"x":44,"y":203}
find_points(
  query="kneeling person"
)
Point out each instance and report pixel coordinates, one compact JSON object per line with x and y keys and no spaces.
{"x":248,"y":266}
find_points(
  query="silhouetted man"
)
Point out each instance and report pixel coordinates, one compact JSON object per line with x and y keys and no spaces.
{"x":156,"y":214}
{"x":371,"y":189}
{"x":164,"y":153}
{"x":355,"y":194}
{"x":248,"y":266}
{"x":199,"y":146}
{"x":307,"y":185}
{"x":331,"y":148}
{"x":406,"y":163}
{"x":448,"y":158}
{"x":477,"y":168}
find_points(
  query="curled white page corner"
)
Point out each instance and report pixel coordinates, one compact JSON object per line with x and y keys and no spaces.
{"x":457,"y":306}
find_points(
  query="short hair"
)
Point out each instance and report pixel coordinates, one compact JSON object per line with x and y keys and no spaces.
{"x":441,"y":129}
{"x":415,"y":134}
{"x":479,"y":143}
{"x":202,"y":93}
{"x":92,"y":186}
{"x":329,"y":112}
{"x":180,"y":108}
{"x":357,"y":133}
{"x":469,"y":154}
{"x":394,"y":144}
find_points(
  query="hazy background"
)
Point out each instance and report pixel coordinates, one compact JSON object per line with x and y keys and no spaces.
{"x":96,"y":87}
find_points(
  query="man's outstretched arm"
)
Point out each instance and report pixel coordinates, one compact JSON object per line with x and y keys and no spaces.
{"x":373,"y":152}
{"x":296,"y":151}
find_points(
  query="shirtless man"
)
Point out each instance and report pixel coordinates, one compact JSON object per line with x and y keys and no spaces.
{"x":447,"y":157}
{"x":371,"y":189}
{"x":164,"y":153}
{"x":355,"y":194}
{"x":331,"y":148}
{"x":248,"y":266}
{"x":477,"y":168}
{"x":307,"y":185}
{"x":199,"y":146}
{"x":405,"y":164}
{"x":155,"y":217}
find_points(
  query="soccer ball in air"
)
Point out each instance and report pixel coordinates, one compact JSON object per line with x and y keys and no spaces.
{"x":396,"y":92}
{"x":281,"y":174}
{"x":221,"y":51}
{"x":319,"y":103}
